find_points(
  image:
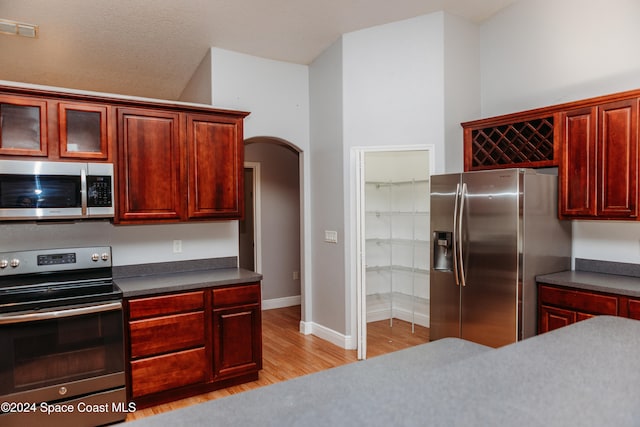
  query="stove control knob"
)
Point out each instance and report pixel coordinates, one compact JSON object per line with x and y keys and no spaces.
{"x":105,"y":256}
{"x":95,"y":257}
{"x":4,"y":263}
{"x":14,"y":262}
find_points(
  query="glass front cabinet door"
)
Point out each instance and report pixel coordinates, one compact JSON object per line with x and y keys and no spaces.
{"x":82,"y":131}
{"x":23,"y":126}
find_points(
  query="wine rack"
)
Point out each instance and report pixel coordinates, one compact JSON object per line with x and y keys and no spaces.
{"x":526,"y":143}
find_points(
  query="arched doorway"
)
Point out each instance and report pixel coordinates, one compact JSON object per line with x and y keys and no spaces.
{"x":272,"y":187}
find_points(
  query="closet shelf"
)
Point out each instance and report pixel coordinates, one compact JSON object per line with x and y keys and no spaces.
{"x":397,"y":213}
{"x":382,"y":240}
{"x":391,"y":183}
{"x":401,"y":213}
{"x":378,"y":268}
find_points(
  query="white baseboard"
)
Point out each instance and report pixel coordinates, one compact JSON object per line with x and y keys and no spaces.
{"x":343,"y":341}
{"x":306,"y":328}
{"x":270,"y":304}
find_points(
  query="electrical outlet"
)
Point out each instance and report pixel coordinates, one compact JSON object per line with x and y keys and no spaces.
{"x":296,"y":275}
{"x":177,"y":246}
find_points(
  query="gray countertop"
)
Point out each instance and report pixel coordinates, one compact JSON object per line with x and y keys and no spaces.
{"x":601,"y":282}
{"x":584,"y":374}
{"x":166,"y":282}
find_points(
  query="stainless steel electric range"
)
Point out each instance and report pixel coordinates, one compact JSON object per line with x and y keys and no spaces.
{"x":61,"y":339}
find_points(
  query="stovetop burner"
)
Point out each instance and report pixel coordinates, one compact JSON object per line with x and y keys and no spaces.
{"x":33,"y":280}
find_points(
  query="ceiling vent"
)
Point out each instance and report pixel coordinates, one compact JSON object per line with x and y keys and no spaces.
{"x":15,"y":28}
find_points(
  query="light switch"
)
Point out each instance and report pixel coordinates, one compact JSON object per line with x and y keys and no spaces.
{"x":331,"y":236}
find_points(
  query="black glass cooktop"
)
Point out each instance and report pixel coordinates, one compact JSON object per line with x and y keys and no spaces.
{"x":33,"y":292}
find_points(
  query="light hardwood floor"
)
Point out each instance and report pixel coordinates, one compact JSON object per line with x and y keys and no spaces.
{"x":288,"y":354}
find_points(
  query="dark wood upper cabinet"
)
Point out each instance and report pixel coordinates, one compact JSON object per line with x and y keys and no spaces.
{"x":83,"y":131}
{"x":578,"y":187}
{"x":177,"y":166}
{"x":150,"y":166}
{"x":510,"y":141}
{"x":216,"y":162}
{"x":593,"y":142}
{"x":599,"y":170}
{"x":618,"y":175}
{"x":174,"y":161}
{"x":23,"y":126}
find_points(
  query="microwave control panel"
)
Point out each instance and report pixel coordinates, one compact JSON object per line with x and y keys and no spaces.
{"x":99,"y":191}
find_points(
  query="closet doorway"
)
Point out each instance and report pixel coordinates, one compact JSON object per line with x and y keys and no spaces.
{"x":250,"y":251}
{"x":393,"y":284}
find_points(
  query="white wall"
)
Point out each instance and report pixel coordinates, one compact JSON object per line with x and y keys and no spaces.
{"x":543,"y":52}
{"x":327,"y":191}
{"x":393,"y":85}
{"x":461,"y":84}
{"x":394,"y":95}
{"x":199,"y":89}
{"x":275,"y":93}
{"x":131,"y":244}
{"x":277,"y":96}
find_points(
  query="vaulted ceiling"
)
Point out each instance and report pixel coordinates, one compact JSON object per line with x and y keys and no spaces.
{"x":152,"y":47}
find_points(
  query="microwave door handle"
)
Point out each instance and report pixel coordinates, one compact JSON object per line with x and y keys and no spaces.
{"x":463,"y":279}
{"x":58,"y":314}
{"x":456,"y":272}
{"x":83,"y":191}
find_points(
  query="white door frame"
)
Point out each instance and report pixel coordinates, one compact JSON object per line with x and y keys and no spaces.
{"x":358,"y":153}
{"x":257,"y":206}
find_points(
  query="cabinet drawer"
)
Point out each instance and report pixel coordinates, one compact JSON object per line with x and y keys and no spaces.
{"x":166,"y":304}
{"x":580,"y":301}
{"x":168,"y":371}
{"x":634,"y":308}
{"x":236,"y":295}
{"x":168,"y":333}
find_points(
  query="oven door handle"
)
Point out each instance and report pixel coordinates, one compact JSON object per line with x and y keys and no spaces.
{"x":50,"y":315}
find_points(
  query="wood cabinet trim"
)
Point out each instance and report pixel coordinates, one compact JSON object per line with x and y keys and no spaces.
{"x":119,"y":101}
{"x":549,"y":110}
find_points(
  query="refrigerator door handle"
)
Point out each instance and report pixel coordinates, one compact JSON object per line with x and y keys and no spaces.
{"x":456,"y":272}
{"x":463,"y":194}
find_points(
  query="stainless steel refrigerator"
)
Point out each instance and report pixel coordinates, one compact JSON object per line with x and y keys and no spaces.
{"x":492,"y":233}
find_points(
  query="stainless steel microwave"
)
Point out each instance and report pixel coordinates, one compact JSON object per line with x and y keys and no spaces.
{"x":36,"y":190}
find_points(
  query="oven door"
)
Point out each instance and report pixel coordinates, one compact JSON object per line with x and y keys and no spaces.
{"x":61,"y":353}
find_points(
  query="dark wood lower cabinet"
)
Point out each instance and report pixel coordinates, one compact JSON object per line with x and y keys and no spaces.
{"x":183,"y":344}
{"x":237,"y":322}
{"x":168,"y":371}
{"x":560,"y":306}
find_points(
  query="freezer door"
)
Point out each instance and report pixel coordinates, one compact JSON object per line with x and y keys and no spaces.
{"x":444,"y":304}
{"x":490,"y":230}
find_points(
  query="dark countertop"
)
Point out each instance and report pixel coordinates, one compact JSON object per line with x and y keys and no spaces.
{"x":166,"y":282}
{"x":584,"y":374}
{"x":600,"y":282}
